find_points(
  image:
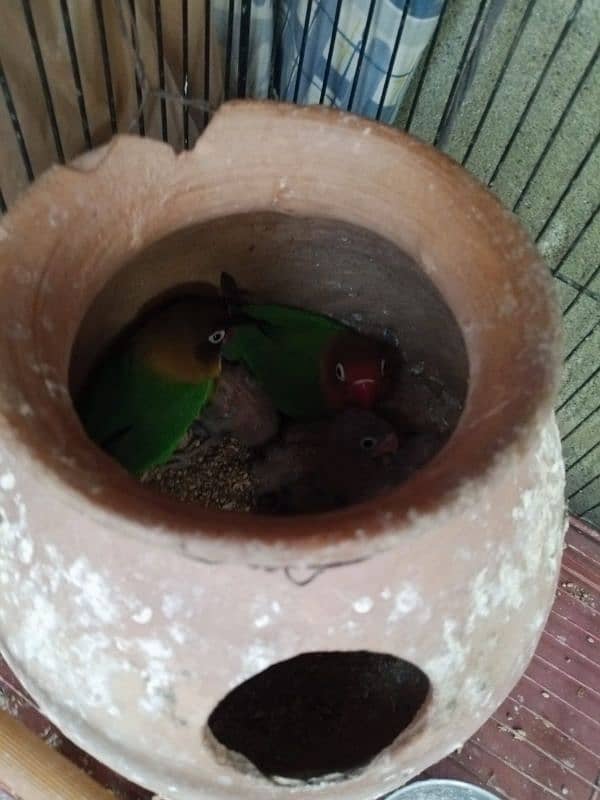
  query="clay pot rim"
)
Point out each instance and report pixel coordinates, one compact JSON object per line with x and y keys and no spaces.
{"x":351,"y":534}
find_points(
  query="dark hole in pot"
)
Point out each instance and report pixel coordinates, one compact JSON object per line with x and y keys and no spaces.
{"x":320,"y":713}
{"x":326,"y":266}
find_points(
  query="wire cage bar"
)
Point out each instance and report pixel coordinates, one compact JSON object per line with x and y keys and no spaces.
{"x":511,"y":90}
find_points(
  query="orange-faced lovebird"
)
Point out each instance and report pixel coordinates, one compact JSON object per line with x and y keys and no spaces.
{"x":309,"y":364}
{"x":355,"y":371}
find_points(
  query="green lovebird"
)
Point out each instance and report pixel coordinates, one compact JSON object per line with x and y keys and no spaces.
{"x":309,"y":364}
{"x":154,"y":380}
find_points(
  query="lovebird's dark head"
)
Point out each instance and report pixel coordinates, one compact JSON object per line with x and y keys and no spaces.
{"x":183,"y":339}
{"x":362,"y":434}
{"x":209,"y":344}
{"x":215,"y":329}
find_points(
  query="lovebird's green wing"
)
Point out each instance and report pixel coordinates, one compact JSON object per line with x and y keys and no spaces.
{"x":284,"y":353}
{"x":287,"y":318}
{"x":136,"y":415}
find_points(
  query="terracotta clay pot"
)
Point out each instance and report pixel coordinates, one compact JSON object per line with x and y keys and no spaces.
{"x":129,"y":616}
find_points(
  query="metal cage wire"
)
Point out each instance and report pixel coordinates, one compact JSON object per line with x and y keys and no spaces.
{"x":509,"y":89}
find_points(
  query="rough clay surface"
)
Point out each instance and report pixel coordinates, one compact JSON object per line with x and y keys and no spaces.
{"x":129,"y":620}
{"x":114,"y":652}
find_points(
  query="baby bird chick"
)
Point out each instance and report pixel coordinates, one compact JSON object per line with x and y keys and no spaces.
{"x":240,"y":407}
{"x":328,"y":464}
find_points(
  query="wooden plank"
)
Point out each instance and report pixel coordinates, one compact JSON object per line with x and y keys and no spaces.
{"x":570,"y":607}
{"x":585,"y":540}
{"x":31,"y":770}
{"x":21,"y":708}
{"x":449,"y":768}
{"x":511,"y":746}
{"x":556,"y":711}
{"x":497,"y":774}
{"x":525,"y":724}
{"x":580,"y":529}
{"x":574,"y":637}
{"x":568,"y":664}
{"x":570,"y":584}
{"x":577,"y":564}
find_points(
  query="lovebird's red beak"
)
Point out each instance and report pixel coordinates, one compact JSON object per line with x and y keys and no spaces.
{"x":363,"y":393}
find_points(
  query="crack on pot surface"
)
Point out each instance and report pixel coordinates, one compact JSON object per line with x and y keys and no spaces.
{"x":319,"y":716}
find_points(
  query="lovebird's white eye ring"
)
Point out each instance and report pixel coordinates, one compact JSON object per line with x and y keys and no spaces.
{"x":340,"y":372}
{"x":367,"y":442}
{"x":382,"y":366}
{"x":217,"y":337}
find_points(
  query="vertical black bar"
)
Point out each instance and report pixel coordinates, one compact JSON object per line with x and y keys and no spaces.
{"x":138,"y":88}
{"x":12,"y":113}
{"x":302,"y":49}
{"x":185,"y":72}
{"x":43,"y":79}
{"x":505,"y":64}
{"x":556,"y":128}
{"x":361,"y":54}
{"x":244,"y":47}
{"x":110,"y":97}
{"x":2,"y":203}
{"x":390,"y":69}
{"x":580,"y":167}
{"x":76,"y":73}
{"x":459,"y":71}
{"x":425,"y":68}
{"x":229,"y":50}
{"x":161,"y":68}
{"x":276,"y":49}
{"x":334,"y":32}
{"x":207,"y":23}
{"x":536,"y":90}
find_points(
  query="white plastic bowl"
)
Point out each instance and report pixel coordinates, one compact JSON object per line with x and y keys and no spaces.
{"x":441,"y":789}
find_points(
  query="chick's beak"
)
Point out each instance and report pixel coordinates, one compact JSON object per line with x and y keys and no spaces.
{"x":363,"y":393}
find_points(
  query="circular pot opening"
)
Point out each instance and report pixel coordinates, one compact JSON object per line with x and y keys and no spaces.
{"x":327,"y":266}
{"x":404,"y":241}
{"x":320,"y":714}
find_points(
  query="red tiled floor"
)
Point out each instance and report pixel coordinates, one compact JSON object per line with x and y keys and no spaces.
{"x":543,"y":741}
